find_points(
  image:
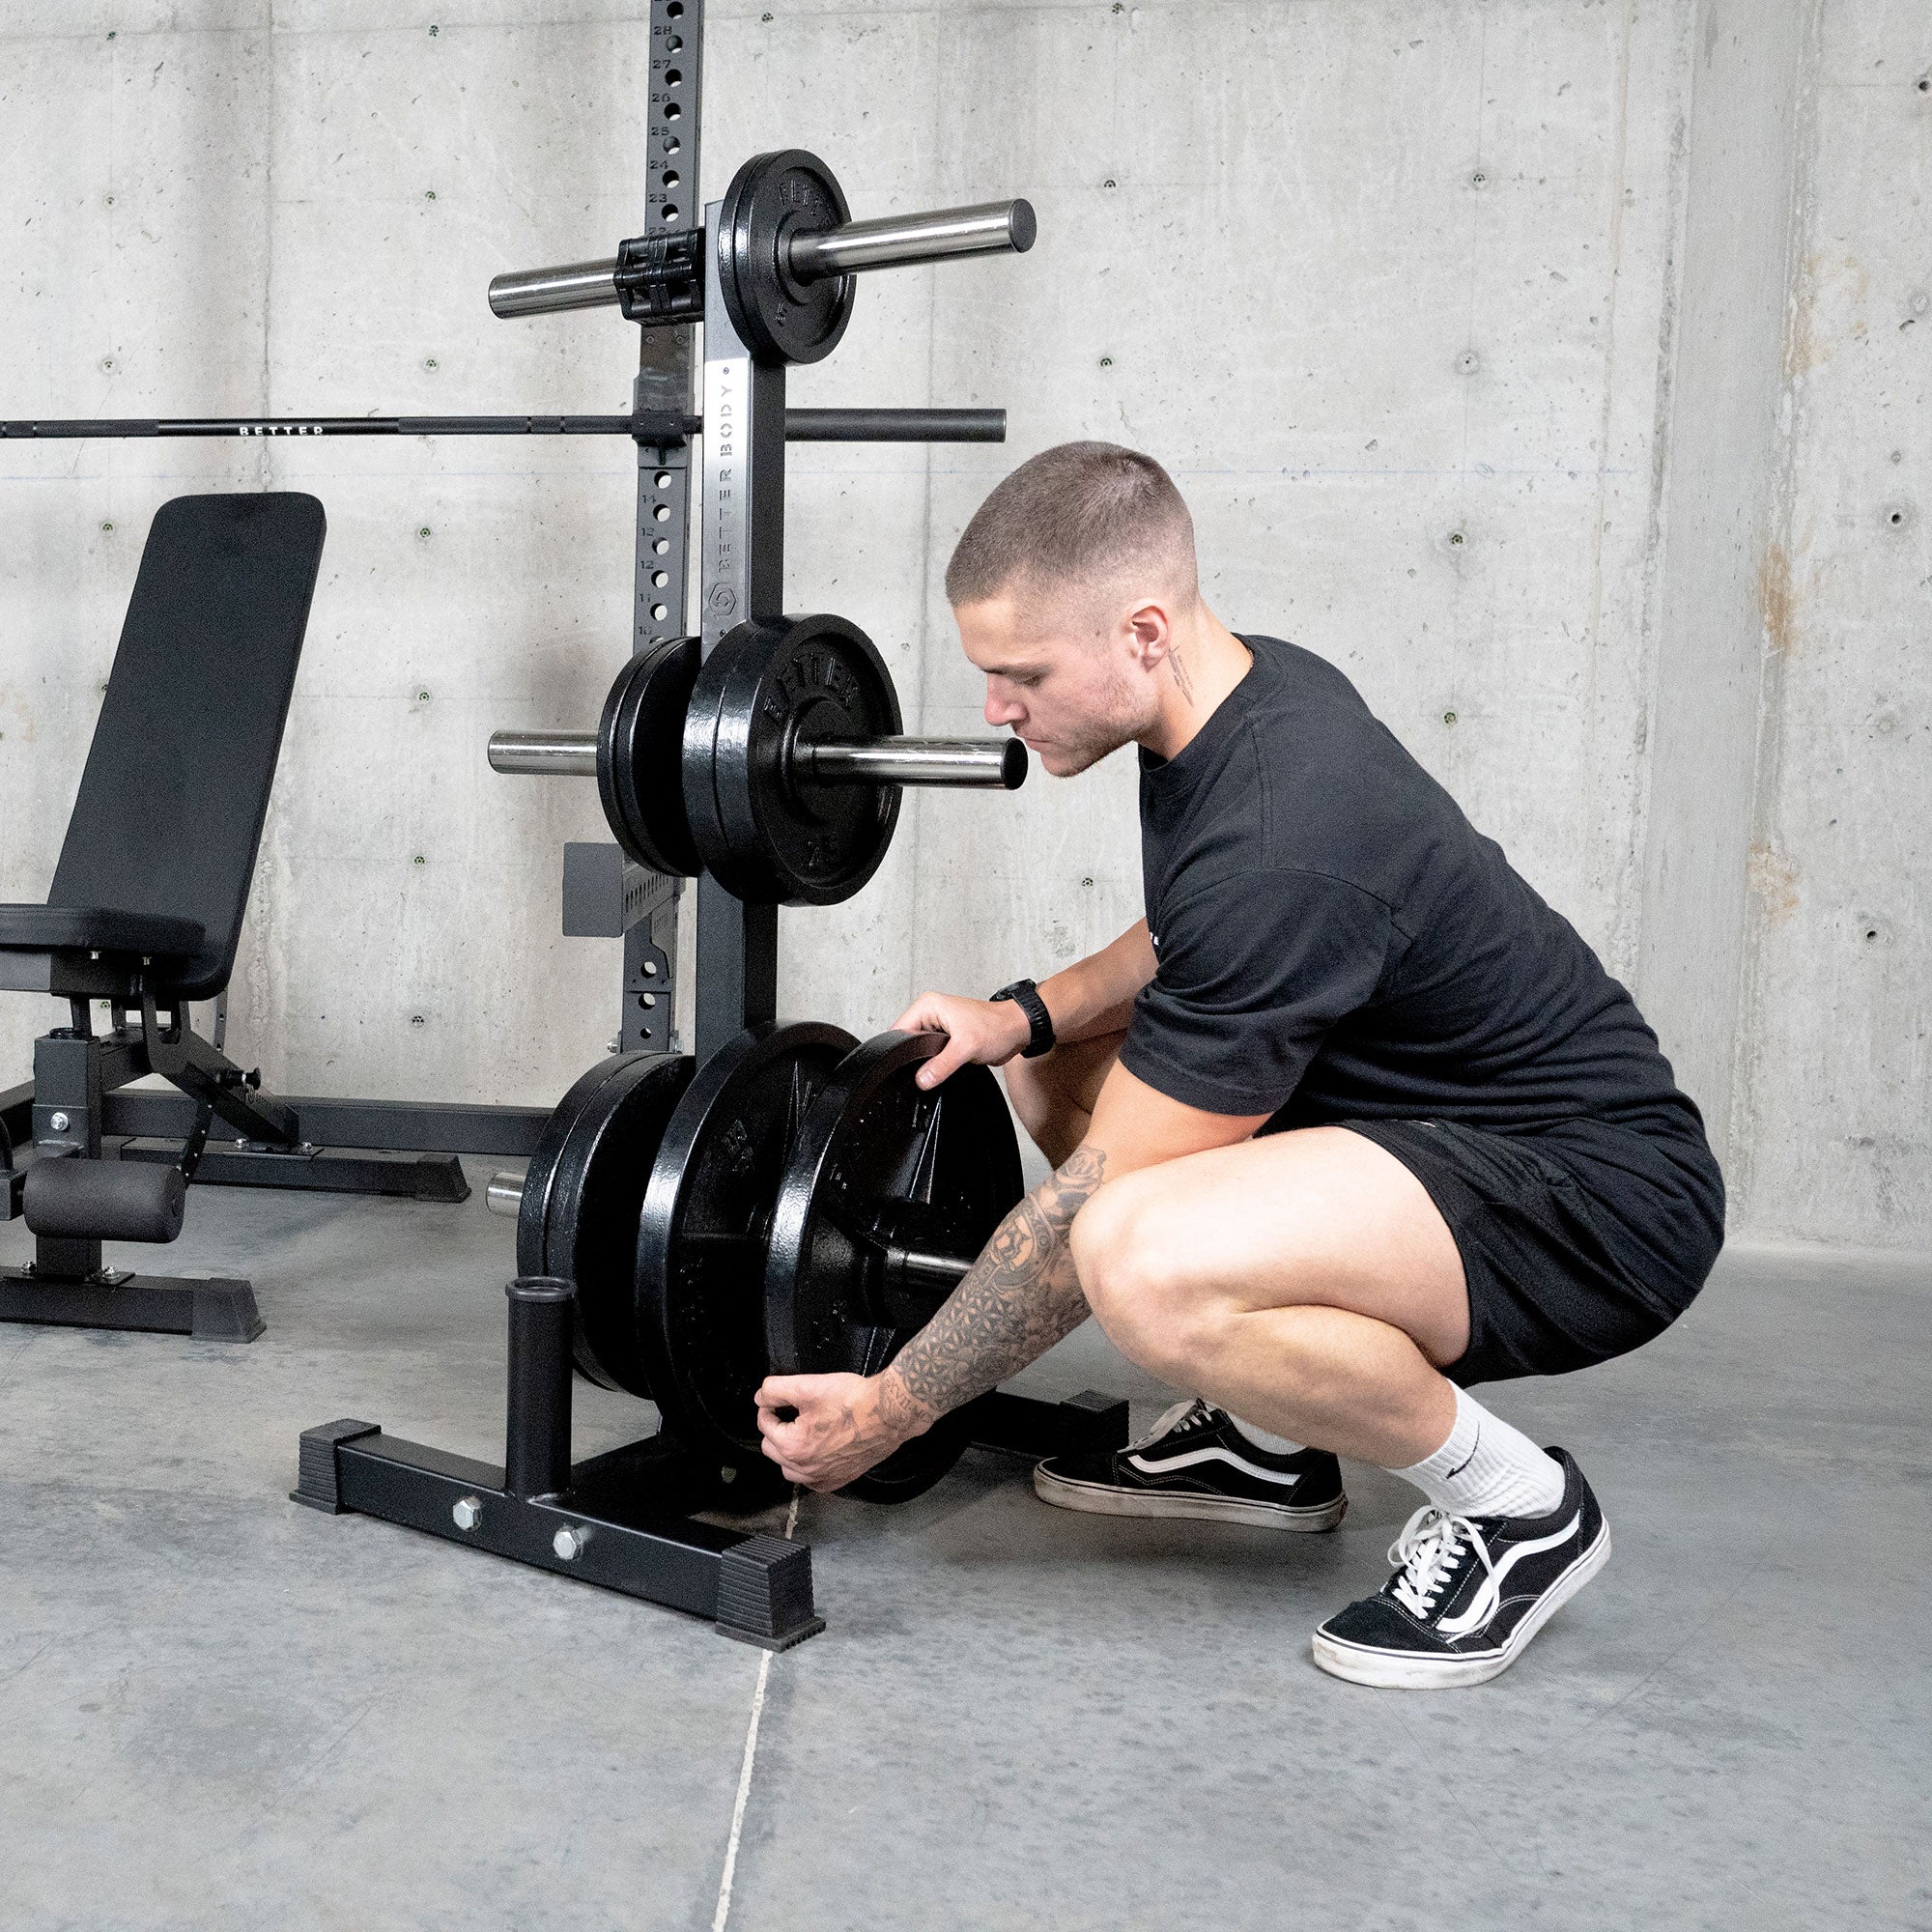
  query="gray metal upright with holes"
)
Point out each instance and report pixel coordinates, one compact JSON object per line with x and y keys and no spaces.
{"x":666,"y":376}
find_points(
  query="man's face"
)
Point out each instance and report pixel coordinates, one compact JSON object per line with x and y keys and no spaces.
{"x":1072,"y":694}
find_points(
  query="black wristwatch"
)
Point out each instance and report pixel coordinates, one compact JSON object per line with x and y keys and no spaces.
{"x":1025,"y":995}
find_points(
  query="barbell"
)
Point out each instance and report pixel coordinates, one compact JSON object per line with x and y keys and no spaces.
{"x":800,"y":1205}
{"x":787,"y":251}
{"x":775,"y":764}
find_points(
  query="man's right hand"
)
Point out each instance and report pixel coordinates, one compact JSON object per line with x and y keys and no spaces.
{"x":989,"y":1032}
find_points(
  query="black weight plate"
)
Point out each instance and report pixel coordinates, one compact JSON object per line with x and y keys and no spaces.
{"x":771,"y":684}
{"x":582,"y":1197}
{"x":700,"y":1244}
{"x":780,"y":318}
{"x":640,"y":744}
{"x":540,"y":1175}
{"x":882,"y":1168}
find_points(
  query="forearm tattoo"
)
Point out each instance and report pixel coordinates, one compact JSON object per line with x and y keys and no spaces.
{"x":1020,"y":1297}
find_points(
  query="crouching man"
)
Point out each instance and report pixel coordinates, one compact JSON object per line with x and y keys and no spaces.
{"x":1351,"y":1122}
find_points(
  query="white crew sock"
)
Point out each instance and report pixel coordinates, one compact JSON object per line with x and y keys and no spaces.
{"x":1275,"y":1445}
{"x":1488,"y":1469}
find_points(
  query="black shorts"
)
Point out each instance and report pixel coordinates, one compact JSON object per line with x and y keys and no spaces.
{"x":1558,"y":1278}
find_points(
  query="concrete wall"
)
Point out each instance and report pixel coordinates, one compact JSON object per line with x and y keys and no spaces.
{"x":1724,"y":463}
{"x":1833,"y":1116}
{"x":1400,"y":291}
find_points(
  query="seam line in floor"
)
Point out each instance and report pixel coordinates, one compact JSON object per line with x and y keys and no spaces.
{"x":729,"y":1875}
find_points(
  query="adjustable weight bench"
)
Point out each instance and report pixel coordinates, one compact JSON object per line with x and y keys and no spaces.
{"x":145,"y":914}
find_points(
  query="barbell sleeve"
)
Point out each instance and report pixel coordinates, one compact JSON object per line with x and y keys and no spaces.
{"x":892,"y":241}
{"x":988,"y":764}
{"x":993,"y":764}
{"x":904,"y":240}
{"x":546,"y":291}
{"x":504,"y":1194}
{"x":545,"y":755}
{"x":909,"y":1268}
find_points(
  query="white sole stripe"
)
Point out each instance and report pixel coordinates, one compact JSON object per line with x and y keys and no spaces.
{"x":1102,"y":1499}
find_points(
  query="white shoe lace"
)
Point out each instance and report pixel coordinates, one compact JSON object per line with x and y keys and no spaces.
{"x":1428,"y":1553}
{"x":1193,"y":1411}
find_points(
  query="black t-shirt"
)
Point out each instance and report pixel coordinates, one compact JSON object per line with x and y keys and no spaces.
{"x":1336,"y":941}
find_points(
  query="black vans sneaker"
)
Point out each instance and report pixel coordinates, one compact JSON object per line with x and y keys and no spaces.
{"x":1468,"y":1593}
{"x":1195,"y":1463}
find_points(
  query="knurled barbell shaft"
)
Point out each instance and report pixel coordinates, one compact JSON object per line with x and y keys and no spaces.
{"x":642,"y":425}
{"x":895,"y":242}
{"x":989,"y":764}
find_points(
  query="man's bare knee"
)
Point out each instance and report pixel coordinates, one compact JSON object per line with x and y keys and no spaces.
{"x":1133,"y":1261}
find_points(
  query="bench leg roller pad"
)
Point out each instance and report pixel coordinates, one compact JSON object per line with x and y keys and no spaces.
{"x":105,"y":1201}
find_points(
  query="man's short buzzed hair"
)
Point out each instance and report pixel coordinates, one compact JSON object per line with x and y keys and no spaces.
{"x":1079,"y":516}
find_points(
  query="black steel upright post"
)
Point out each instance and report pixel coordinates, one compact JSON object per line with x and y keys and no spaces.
{"x":741,"y":557}
{"x":665,"y":373}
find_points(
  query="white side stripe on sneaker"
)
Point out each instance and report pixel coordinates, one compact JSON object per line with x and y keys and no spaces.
{"x":1159,"y":1466}
{"x":1483,"y":1605}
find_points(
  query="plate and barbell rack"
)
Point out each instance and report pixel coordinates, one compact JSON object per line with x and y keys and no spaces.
{"x":642,"y":1136}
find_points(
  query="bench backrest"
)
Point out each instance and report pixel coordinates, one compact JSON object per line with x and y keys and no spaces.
{"x":169,"y":816}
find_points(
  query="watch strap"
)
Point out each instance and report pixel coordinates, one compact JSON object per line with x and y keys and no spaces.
{"x":1025,"y":995}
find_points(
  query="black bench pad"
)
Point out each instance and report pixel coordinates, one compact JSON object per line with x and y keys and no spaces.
{"x":32,"y":929}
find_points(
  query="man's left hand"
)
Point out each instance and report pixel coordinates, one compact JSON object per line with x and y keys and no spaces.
{"x":836,"y":1433}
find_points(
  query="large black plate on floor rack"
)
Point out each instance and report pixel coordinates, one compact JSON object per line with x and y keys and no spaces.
{"x":700,"y":1244}
{"x":890,"y":1194}
{"x":583,"y":1193}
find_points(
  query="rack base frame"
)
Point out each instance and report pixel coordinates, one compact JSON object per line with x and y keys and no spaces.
{"x":214,"y":1310}
{"x":627,"y":1515}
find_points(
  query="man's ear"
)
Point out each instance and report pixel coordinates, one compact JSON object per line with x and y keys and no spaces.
{"x":1153,"y":634}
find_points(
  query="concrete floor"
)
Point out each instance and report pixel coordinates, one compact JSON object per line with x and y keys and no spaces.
{"x":218,"y":1710}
